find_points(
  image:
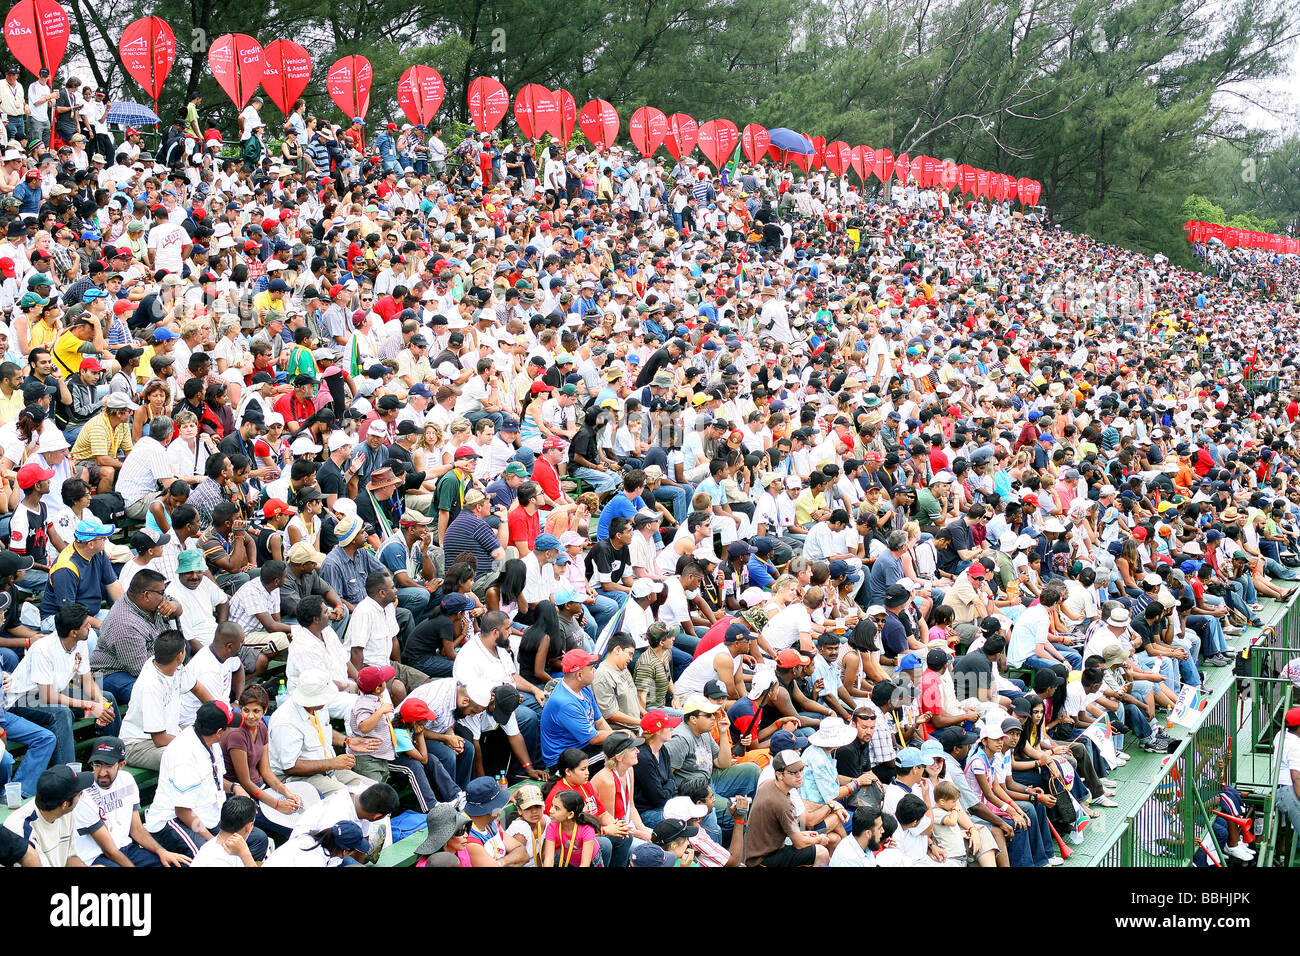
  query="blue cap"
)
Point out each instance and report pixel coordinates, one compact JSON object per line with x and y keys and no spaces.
{"x":358,"y":119}
{"x":647,"y":854}
{"x":736,"y":632}
{"x":90,"y":527}
{"x":1035,"y":415}
{"x":763,"y":545}
{"x":1213,"y":535}
{"x":908,"y":662}
{"x":348,"y":836}
{"x":90,"y":235}
{"x":93,"y":293}
{"x":931,"y":750}
{"x":509,"y":425}
{"x":419,"y":388}
{"x":784,"y":740}
{"x":564,"y":594}
{"x":1190,"y":567}
{"x":546,"y":542}
{"x":163,"y":335}
{"x":1047,"y":438}
{"x":909,"y":757}
{"x":456,"y":603}
{"x":842,"y":569}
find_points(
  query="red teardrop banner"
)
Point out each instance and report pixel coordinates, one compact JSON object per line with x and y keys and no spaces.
{"x":647,"y":128}
{"x":754,"y":141}
{"x":838,"y":157}
{"x":488,"y":103}
{"x":420,"y":92}
{"x":902,"y":167}
{"x":819,"y":151}
{"x":599,"y":123}
{"x":884,"y":166}
{"x":348,"y":83}
{"x":286,"y":68}
{"x":37,"y":34}
{"x":863,"y":159}
{"x":683,"y":132}
{"x":568,"y":119}
{"x":148,"y":51}
{"x":235,"y":60}
{"x":534,"y":106}
{"x":717,"y":141}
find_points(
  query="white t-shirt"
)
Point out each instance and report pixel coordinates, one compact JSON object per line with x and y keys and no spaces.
{"x":1031,"y":629}
{"x":156,"y":703}
{"x":784,"y":629}
{"x":198,"y":620}
{"x":166,"y":240}
{"x":111,"y":808}
{"x":1290,"y":746}
{"x":213,"y":853}
{"x":676,"y":608}
{"x":46,"y":662}
{"x":214,"y":675}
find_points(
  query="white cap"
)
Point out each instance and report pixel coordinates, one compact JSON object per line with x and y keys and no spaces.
{"x":644,"y":587}
{"x":377,"y":428}
{"x":304,"y":446}
{"x":339,"y":440}
{"x":479,"y":691}
{"x":684,"y":808}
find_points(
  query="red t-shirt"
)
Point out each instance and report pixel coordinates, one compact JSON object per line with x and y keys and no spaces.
{"x":544,"y":474}
{"x":931,"y":700}
{"x":713,"y":636}
{"x":523,"y":526}
{"x":388,"y":307}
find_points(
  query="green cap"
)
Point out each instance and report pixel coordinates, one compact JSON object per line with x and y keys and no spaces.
{"x":564,"y":358}
{"x":30,"y":299}
{"x":191,"y":559}
{"x":569,"y":389}
{"x":39,"y":279}
{"x":517,"y":469}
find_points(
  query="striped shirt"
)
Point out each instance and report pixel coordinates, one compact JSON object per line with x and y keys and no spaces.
{"x":652,"y":678}
{"x":99,"y":437}
{"x":470,"y":533}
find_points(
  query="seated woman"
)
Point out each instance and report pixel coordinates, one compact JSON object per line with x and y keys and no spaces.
{"x":433,"y":645}
{"x":615,"y":784}
{"x":506,"y":593}
{"x":547,"y":640}
{"x":574,"y":773}
{"x":244,"y":747}
{"x":487,"y":842}
{"x":445,"y":844}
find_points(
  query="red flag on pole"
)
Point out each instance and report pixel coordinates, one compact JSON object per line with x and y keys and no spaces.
{"x":488,"y":102}
{"x":420,"y":92}
{"x":235,"y":60}
{"x":148,"y":51}
{"x":37,"y":34}
{"x":286,"y":68}
{"x":647,"y":128}
{"x":348,"y":83}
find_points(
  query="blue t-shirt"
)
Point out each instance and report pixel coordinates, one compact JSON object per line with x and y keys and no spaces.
{"x":568,"y":720}
{"x":393,"y":556}
{"x":620,"y":506}
{"x":717,"y":494}
{"x":76,"y":579}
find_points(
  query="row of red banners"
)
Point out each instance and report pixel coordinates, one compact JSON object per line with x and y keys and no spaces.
{"x":1245,"y":238}
{"x":37,"y":33}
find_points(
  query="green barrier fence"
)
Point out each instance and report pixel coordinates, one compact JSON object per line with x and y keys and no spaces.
{"x":1231,"y":744}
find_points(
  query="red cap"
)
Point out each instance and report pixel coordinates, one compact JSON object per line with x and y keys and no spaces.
{"x":392,"y":126}
{"x":336,"y":290}
{"x":370,"y":679}
{"x":466,"y":451}
{"x":285,"y":214}
{"x":276,"y":507}
{"x":874,"y":456}
{"x":32,"y":472}
{"x":539,"y":386}
{"x":1292,"y":717}
{"x":1140,"y":533}
{"x":7,"y":267}
{"x":414,"y":709}
{"x":91,"y":364}
{"x":553,"y":442}
{"x":252,"y":246}
{"x":576,"y":659}
{"x":123,"y":305}
{"x":1031,"y":499}
{"x":269,"y":224}
{"x":199,"y":213}
{"x":977,"y":571}
{"x":656,"y":720}
{"x":791,"y":658}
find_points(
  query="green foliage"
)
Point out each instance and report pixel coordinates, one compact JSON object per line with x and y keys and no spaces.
{"x":1200,"y":209}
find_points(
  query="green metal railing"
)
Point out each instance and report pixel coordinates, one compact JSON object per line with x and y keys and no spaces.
{"x":1175,"y":815}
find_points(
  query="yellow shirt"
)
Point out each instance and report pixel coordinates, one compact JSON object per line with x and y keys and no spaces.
{"x":10,"y":407}
{"x":98,"y":437}
{"x":41,"y":334}
{"x":806,"y":504}
{"x":67,"y":353}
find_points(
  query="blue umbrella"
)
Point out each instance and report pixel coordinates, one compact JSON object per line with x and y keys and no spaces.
{"x":788,"y":141}
{"x":131,"y":114}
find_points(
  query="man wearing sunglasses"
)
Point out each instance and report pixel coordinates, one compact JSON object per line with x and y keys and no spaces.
{"x":772,"y":820}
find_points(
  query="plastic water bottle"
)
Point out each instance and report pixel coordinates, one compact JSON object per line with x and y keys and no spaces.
{"x":281,"y":695}
{"x":501,"y":781}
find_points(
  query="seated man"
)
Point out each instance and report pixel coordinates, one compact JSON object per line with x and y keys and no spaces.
{"x":110,"y":831}
{"x":302,"y":741}
{"x":256,"y":609}
{"x":40,"y":689}
{"x":47,"y":824}
{"x":571,"y":717}
{"x":130,"y":628}
{"x":186,"y":807}
{"x":154,"y":718}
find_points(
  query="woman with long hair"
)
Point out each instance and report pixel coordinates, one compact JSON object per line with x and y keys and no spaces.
{"x":155,"y":399}
{"x":573,"y":774}
{"x":506,"y":593}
